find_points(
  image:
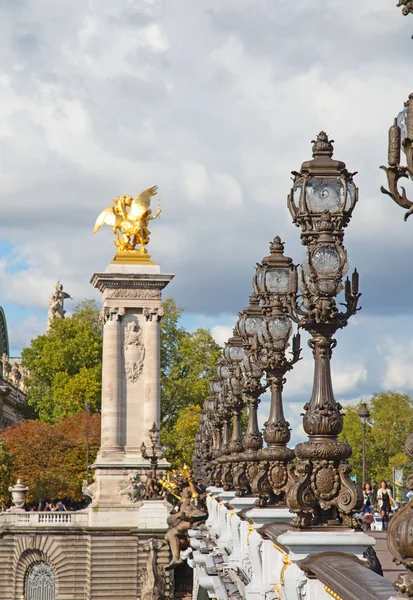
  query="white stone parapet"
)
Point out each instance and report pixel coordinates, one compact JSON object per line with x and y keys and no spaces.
{"x":253,"y":553}
{"x":46,"y":519}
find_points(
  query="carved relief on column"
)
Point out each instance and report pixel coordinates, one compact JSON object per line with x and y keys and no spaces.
{"x":134,"y":351}
{"x":151,"y":314}
{"x":131,"y":293}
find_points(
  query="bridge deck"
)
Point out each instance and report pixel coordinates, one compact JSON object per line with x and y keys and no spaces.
{"x":390,"y":569}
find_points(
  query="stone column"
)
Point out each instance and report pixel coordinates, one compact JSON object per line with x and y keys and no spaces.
{"x":131,"y":375}
{"x":111,"y":382}
{"x":152,"y":390}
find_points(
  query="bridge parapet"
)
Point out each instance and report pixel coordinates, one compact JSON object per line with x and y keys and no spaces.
{"x":251,"y":553}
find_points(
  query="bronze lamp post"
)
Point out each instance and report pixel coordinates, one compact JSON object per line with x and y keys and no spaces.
{"x":321,"y":202}
{"x":400,"y":138}
{"x":271,"y":284}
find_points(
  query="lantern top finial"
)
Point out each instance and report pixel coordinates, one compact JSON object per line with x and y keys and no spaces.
{"x":322,"y":146}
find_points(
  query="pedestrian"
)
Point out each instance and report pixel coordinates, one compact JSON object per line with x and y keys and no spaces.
{"x":409,"y":494}
{"x":368,"y":499}
{"x":385,"y":501}
{"x":60,"y":507}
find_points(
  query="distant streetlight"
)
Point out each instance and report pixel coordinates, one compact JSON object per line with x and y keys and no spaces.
{"x":87,"y":407}
{"x":364,"y":415}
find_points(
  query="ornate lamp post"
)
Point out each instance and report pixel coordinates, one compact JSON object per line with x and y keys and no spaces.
{"x":157,"y":451}
{"x":400,"y":138}
{"x":224,"y":468}
{"x":251,"y":373}
{"x":364,"y":416}
{"x":209,"y":438}
{"x":272,"y":283}
{"x":215,"y":417}
{"x":321,"y":202}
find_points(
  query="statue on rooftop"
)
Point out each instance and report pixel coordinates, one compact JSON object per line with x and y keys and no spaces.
{"x":129,"y":218}
{"x":56,"y":304}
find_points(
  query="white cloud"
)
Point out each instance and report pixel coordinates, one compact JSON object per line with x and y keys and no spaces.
{"x":216,"y":103}
{"x":221,"y":334}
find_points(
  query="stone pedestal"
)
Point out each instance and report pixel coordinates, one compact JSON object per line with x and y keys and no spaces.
{"x":302,"y":543}
{"x":131,"y":312}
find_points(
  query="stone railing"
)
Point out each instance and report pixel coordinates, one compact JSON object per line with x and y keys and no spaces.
{"x":254,"y":553}
{"x":47,"y":519}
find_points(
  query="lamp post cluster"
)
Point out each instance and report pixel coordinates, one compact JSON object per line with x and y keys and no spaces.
{"x":313,"y":480}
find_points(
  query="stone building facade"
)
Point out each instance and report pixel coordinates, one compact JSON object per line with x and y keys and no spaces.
{"x":12,"y":381}
{"x":93,"y":564}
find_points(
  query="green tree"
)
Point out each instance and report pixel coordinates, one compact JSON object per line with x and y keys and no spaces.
{"x":189,"y":372}
{"x":390,"y":422}
{"x":181,"y":438}
{"x":188,"y":360}
{"x":65,"y":365}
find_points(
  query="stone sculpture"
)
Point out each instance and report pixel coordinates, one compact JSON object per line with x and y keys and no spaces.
{"x":153,"y":587}
{"x":134,"y":351}
{"x":56,"y":304}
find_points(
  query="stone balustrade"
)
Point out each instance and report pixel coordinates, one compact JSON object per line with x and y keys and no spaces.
{"x":254,"y":553}
{"x":46,"y":519}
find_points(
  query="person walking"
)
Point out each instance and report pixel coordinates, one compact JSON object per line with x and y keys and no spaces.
{"x":368,"y":509}
{"x":368,"y":499}
{"x":385,"y":501}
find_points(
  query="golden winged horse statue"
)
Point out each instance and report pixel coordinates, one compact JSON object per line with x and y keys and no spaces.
{"x":129,"y":218}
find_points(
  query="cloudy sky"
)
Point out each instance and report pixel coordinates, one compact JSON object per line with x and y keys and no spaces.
{"x":216,"y":103}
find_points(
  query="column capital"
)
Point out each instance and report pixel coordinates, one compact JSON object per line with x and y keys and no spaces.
{"x":111,"y":314}
{"x":153,"y":314}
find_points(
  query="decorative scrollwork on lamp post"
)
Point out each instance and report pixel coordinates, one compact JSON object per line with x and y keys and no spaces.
{"x":399,"y":536}
{"x":400,"y":138}
{"x":321,"y":202}
{"x":407,"y":6}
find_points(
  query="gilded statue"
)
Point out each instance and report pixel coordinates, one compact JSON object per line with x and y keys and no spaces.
{"x":129,"y":218}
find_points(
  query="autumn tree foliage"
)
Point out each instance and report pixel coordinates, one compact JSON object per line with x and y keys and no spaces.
{"x":6,"y":471}
{"x":51,"y":459}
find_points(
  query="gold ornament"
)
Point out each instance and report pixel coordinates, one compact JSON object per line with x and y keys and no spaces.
{"x":129,"y":218}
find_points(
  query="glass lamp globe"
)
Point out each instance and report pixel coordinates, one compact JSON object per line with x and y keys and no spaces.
{"x":250,"y":367}
{"x":215,"y":385}
{"x":277,"y":330}
{"x":234,"y":349}
{"x":402,"y":122}
{"x":223,"y":370}
{"x":273,"y":274}
{"x":250,"y":319}
{"x":323,"y":184}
